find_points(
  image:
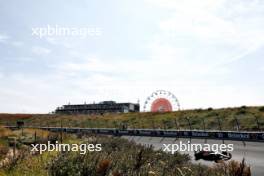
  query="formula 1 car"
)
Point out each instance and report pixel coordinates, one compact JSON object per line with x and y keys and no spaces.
{"x":213,"y":156}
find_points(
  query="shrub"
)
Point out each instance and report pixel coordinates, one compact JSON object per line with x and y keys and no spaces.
{"x":122,"y":157}
{"x":261,"y":109}
{"x":3,"y":151}
{"x":119,"y":157}
{"x":241,"y":112}
{"x":210,"y":109}
{"x":233,"y":168}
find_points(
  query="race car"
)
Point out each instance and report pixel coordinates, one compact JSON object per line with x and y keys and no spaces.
{"x":212,"y":156}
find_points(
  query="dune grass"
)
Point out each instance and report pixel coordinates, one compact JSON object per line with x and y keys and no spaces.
{"x":208,"y":118}
{"x":119,"y":157}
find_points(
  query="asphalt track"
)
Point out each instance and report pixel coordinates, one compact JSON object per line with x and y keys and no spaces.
{"x":253,"y":152}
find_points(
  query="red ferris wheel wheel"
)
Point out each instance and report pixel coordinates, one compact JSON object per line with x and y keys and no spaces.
{"x":161,"y":101}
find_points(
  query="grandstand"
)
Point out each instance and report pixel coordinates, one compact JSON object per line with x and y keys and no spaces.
{"x":98,"y":108}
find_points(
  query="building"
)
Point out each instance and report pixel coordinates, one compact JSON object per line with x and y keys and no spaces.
{"x":99,"y":108}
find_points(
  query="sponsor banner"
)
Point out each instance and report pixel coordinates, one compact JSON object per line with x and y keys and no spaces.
{"x":145,"y":132}
{"x":123,"y":132}
{"x":200,"y":134}
{"x":238,"y":135}
{"x":243,"y":136}
{"x":105,"y":131}
{"x":170,"y":133}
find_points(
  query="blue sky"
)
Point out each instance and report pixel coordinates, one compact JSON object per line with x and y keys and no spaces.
{"x":208,"y":53}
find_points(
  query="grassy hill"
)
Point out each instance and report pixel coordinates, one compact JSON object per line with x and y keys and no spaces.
{"x":198,"y":118}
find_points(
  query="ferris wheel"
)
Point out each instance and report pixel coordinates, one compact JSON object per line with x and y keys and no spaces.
{"x":161,"y":101}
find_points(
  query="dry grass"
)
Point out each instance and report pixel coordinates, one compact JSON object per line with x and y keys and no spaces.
{"x":42,"y":133}
{"x":15,"y":116}
{"x":233,"y":168}
{"x":4,"y":132}
{"x":119,"y":157}
{"x":246,"y":116}
{"x":122,"y":158}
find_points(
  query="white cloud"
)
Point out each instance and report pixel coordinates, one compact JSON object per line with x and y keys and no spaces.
{"x":214,"y":21}
{"x":77,"y":67}
{"x":3,"y":38}
{"x":187,"y":5}
{"x":241,"y":55}
{"x":25,"y":59}
{"x":234,"y":28}
{"x":51,"y":40}
{"x":65,"y":42}
{"x":40,"y":50}
{"x":17,"y":43}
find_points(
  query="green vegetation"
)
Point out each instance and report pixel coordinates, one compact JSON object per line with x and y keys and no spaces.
{"x":246,"y":116}
{"x":16,"y":157}
{"x":119,"y":157}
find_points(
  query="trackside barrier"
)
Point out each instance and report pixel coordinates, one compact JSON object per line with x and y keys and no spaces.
{"x":199,"y":134}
